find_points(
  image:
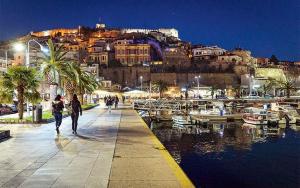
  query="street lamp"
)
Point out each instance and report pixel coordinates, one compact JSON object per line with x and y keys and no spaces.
{"x":251,"y":84}
{"x":42,"y":48}
{"x":198,"y":84}
{"x":21,"y":47}
{"x":141,"y":78}
{"x":16,"y":47}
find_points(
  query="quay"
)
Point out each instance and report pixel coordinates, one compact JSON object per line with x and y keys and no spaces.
{"x":114,"y":149}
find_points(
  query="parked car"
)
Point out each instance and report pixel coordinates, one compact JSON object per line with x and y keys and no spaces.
{"x":268,"y":96}
{"x":252,"y":97}
{"x":13,"y":107}
{"x":4,"y":109}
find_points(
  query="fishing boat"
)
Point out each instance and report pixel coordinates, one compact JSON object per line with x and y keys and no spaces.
{"x":215,"y":114}
{"x":258,"y":116}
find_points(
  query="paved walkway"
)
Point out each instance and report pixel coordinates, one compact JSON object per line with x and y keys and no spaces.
{"x":111,"y":150}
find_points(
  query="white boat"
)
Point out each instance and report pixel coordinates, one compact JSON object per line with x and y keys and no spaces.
{"x":292,"y":116}
{"x":258,"y":116}
{"x":181,"y":120}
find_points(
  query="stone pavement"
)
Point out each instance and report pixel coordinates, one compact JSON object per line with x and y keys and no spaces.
{"x":110,"y":150}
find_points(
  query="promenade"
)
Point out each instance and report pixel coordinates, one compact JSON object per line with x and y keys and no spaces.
{"x":110,"y":150}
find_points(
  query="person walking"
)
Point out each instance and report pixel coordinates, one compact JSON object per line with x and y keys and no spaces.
{"x":116,"y":101}
{"x":109,"y":102}
{"x":57,"y":110}
{"x":76,"y":110}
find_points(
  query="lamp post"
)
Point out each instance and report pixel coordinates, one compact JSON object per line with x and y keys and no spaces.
{"x":150,"y":88}
{"x":6,"y":59}
{"x":42,"y":48}
{"x":198,"y":84}
{"x":17,"y":47}
{"x":141,"y":78}
{"x":250,"y":79}
{"x":20,"y":47}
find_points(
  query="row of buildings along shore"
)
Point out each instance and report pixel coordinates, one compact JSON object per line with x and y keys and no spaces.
{"x":128,"y":57}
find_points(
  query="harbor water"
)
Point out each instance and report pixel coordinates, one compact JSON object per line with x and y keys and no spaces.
{"x":234,"y":155}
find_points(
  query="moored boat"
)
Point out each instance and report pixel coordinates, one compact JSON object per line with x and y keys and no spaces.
{"x":258,"y":116}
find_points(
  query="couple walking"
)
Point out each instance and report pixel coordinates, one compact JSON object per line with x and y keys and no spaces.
{"x":57,"y":110}
{"x":109,"y":101}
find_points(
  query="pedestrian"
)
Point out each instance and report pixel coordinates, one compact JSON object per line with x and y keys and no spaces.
{"x":105,"y":99}
{"x":109,"y":102}
{"x":116,"y":101}
{"x":57,"y":110}
{"x":123,"y":99}
{"x":181,"y":97}
{"x":76,"y":110}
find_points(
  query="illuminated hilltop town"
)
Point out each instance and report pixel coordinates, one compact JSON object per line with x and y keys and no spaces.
{"x":124,"y":57}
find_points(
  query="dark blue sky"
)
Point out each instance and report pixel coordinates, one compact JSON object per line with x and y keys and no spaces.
{"x":263,"y":26}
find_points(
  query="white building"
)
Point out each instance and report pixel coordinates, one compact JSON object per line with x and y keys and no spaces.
{"x":168,"y":32}
{"x":92,"y":69}
{"x":208,"y":50}
{"x":205,"y":53}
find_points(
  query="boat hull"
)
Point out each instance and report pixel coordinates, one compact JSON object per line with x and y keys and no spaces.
{"x":253,"y":122}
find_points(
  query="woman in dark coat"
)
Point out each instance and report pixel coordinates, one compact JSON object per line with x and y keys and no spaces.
{"x":76,"y":110}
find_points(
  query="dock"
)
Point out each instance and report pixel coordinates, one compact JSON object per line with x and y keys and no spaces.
{"x":114,"y":149}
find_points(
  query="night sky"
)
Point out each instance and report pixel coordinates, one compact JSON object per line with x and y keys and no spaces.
{"x":265,"y":27}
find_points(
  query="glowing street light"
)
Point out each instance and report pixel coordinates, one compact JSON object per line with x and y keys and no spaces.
{"x":19,"y":47}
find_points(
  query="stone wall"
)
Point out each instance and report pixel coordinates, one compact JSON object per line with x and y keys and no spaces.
{"x":131,"y":77}
{"x":127,"y":76}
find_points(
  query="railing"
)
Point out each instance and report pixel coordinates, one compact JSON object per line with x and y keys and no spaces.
{"x":178,"y":105}
{"x":157,"y":105}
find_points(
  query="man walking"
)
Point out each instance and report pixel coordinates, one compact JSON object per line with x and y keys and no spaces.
{"x":76,"y":109}
{"x":109,"y":103}
{"x":116,"y":101}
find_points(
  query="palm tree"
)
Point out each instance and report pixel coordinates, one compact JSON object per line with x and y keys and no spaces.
{"x":212,"y":90}
{"x":55,"y":66}
{"x":161,"y":86}
{"x":87,"y":83}
{"x":287,"y":85}
{"x":22,"y":79}
{"x":267,"y":86}
{"x":79,"y":81}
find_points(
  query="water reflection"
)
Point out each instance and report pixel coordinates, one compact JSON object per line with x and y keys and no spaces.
{"x":221,"y":152}
{"x":216,"y":137}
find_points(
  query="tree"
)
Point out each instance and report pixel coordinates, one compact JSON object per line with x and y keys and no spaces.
{"x":287,"y":85}
{"x":55,"y":66}
{"x":212,"y":90}
{"x":267,"y":86}
{"x":24,"y":81}
{"x":273,"y":59}
{"x":161,"y":86}
{"x":87,"y":83}
{"x":80,"y":81}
